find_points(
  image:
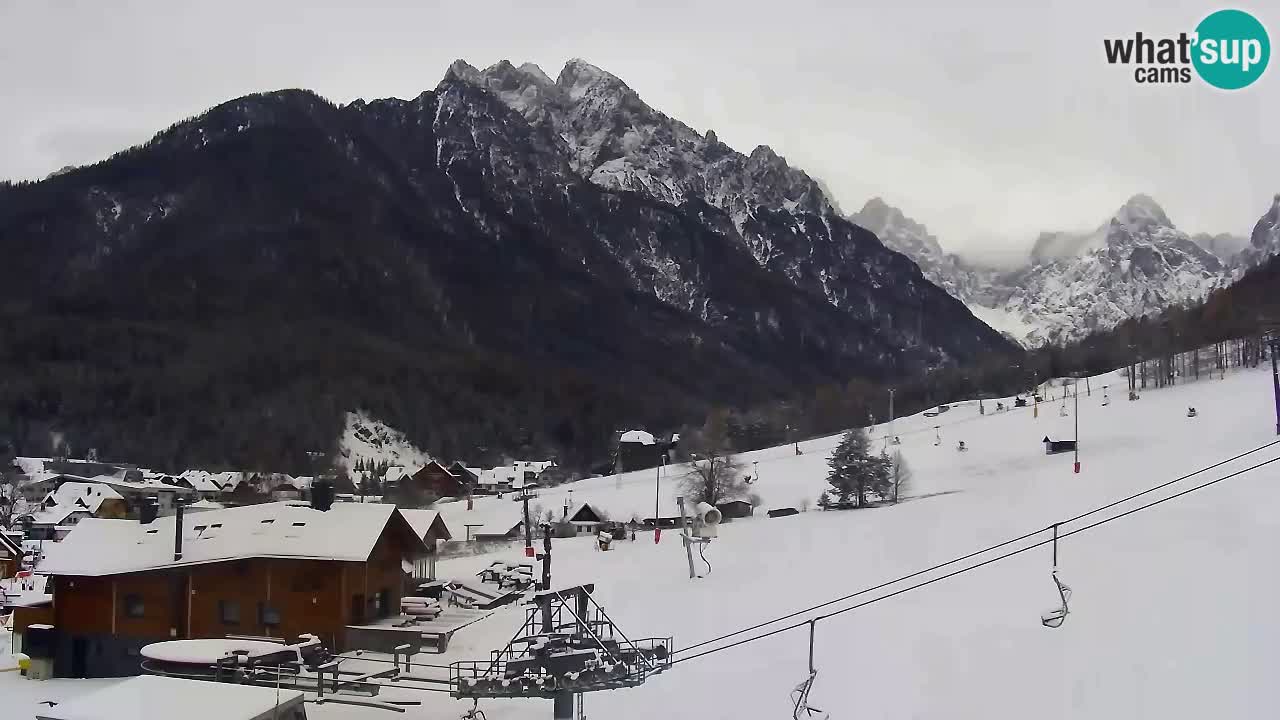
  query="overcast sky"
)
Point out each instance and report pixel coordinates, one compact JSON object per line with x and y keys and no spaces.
{"x":988,"y":124}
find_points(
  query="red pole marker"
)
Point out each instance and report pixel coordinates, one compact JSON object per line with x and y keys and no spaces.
{"x":657,"y":534}
{"x":1077,"y":467}
{"x":528,"y":551}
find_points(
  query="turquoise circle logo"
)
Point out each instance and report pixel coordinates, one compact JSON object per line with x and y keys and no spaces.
{"x":1232,"y":49}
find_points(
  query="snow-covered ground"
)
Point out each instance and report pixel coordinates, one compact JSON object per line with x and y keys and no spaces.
{"x":1171,"y":616}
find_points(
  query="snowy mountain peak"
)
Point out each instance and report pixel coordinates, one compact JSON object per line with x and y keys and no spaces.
{"x":536,"y":73}
{"x":617,"y":141}
{"x":579,"y":77}
{"x":896,"y":230}
{"x":1141,"y":211}
{"x":462,"y":70}
{"x":1264,"y":241}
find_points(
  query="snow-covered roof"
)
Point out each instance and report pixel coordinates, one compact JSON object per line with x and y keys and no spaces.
{"x":8,"y":546}
{"x":345,"y":532}
{"x":205,"y":505}
{"x":88,"y":495}
{"x":421,"y":521}
{"x":118,"y":483}
{"x":636,"y":436}
{"x":397,"y":472}
{"x":30,"y":466}
{"x":204,"y":481}
{"x":152,"y":697}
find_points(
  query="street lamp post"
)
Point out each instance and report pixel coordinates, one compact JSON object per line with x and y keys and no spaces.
{"x":657,"y":485}
{"x":1075,"y":391}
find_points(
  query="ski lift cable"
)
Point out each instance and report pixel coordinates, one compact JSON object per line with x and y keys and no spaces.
{"x":975,"y":553}
{"x":954,"y":573}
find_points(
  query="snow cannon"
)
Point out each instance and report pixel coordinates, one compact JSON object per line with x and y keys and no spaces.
{"x":706,"y":518}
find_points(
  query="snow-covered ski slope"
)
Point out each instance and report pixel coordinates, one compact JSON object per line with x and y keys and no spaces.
{"x":1171,"y":617}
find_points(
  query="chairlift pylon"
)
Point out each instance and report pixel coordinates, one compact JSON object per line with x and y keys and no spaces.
{"x":1054,"y":618}
{"x":801,"y":709}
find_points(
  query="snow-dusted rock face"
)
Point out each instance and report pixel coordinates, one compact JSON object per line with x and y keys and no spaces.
{"x":1141,"y":269}
{"x":1136,"y":263}
{"x":898,"y":232}
{"x":589,"y":123}
{"x":619,"y":142}
{"x":1264,"y":241}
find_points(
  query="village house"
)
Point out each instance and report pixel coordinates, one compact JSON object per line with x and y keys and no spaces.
{"x":469,"y":476}
{"x":274,"y":569}
{"x":210,"y":486}
{"x":437,"y":479}
{"x":638,"y":450}
{"x":730,"y":509}
{"x":585,"y":520}
{"x":70,"y":503}
{"x":428,"y":525}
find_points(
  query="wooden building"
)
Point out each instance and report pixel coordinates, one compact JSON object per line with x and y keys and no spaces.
{"x":274,"y":569}
{"x":585,"y":520}
{"x":10,"y":556}
{"x":428,"y":525}
{"x":731,"y":509}
{"x":436,"y":479}
{"x":638,"y":450}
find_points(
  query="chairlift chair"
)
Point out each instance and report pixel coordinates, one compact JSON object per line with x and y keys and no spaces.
{"x":801,"y":710}
{"x":1055,"y":617}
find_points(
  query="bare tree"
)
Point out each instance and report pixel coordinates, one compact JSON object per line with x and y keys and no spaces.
{"x":712,"y":479}
{"x":12,"y":504}
{"x":899,"y":475}
{"x":805,"y":504}
{"x":714,"y":475}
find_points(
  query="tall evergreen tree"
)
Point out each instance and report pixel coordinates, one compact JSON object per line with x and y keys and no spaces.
{"x":856,"y":472}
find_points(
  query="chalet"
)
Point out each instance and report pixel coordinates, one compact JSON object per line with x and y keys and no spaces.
{"x":731,"y":509}
{"x":393,"y":475}
{"x":437,"y":479}
{"x":638,"y":450}
{"x":244,"y":493}
{"x":585,"y":521}
{"x":38,"y":486}
{"x":137,"y":493}
{"x":428,"y":525}
{"x":72,"y":502}
{"x":470,"y":476}
{"x":274,"y":569}
{"x":210,"y":486}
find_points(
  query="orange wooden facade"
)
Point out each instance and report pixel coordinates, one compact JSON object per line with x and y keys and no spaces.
{"x":274,"y":597}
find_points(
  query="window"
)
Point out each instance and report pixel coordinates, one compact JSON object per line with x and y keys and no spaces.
{"x":229,"y":612}
{"x":268,"y":615}
{"x":133,"y":606}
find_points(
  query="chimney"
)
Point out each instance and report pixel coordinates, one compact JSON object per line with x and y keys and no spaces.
{"x":149,"y":510}
{"x":321,"y":495}
{"x":177,"y":530}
